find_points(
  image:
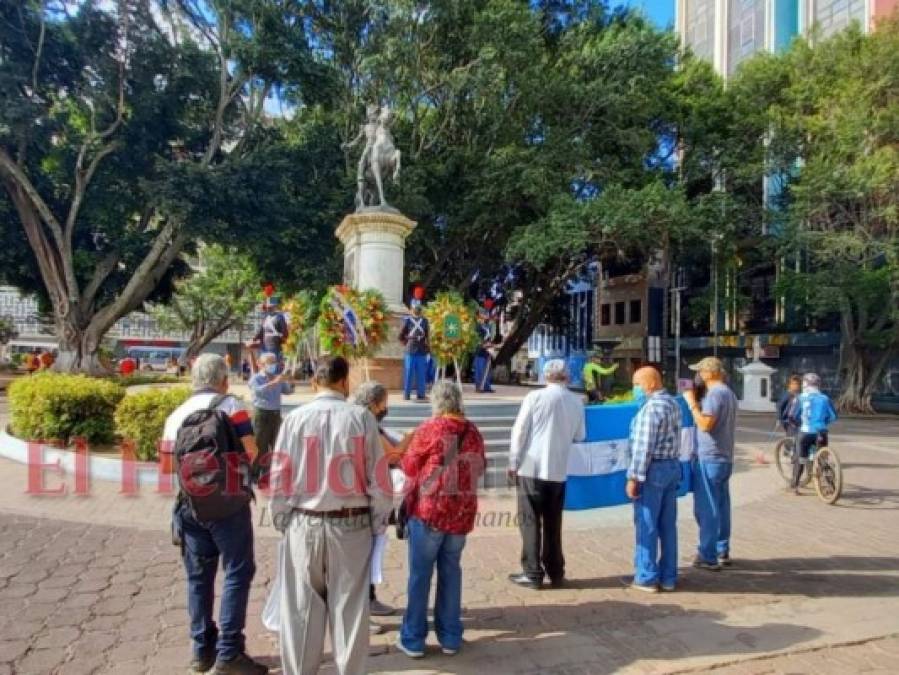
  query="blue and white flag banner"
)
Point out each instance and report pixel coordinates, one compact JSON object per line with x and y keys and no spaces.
{"x":597,"y":468}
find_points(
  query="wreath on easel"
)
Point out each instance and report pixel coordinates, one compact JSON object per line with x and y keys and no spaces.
{"x":352,"y":323}
{"x":453,"y":329}
{"x":301,"y":310}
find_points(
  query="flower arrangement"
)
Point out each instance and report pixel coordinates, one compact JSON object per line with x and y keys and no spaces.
{"x":300,"y":308}
{"x":453,"y":327}
{"x":352,"y":323}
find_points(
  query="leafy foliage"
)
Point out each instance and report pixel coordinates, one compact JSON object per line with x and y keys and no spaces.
{"x":835,"y":133}
{"x":215,"y":298}
{"x":51,"y":406}
{"x":140,"y":417}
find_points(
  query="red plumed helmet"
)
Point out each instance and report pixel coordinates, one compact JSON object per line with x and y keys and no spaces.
{"x":268,"y":289}
{"x":488,"y":303}
{"x":418,"y":292}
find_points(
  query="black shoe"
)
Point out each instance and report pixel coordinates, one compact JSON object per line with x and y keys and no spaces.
{"x":724,"y":560}
{"x":240,"y":665}
{"x":523,"y":580}
{"x":203,"y":663}
{"x":557,"y":583}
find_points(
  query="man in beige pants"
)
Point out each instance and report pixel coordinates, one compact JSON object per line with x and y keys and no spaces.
{"x":326,"y":502}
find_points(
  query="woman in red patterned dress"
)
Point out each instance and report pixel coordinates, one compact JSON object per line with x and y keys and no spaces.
{"x":444,"y":461}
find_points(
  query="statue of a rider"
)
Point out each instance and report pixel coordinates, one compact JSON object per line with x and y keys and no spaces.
{"x":379,"y":158}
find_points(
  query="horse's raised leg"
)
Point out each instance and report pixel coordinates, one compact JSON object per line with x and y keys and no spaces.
{"x":376,"y":170}
{"x":396,"y":166}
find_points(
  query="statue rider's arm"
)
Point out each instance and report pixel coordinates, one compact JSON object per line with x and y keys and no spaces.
{"x":355,"y":141}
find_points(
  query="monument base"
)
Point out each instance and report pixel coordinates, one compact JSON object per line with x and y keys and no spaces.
{"x":387,"y":366}
{"x":387,"y":371}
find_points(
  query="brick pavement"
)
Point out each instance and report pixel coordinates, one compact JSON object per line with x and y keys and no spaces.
{"x":816,"y":589}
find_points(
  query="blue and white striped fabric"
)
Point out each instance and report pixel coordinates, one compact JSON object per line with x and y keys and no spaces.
{"x":597,"y":468}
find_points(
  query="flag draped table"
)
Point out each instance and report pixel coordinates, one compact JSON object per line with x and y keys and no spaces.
{"x":597,"y":468}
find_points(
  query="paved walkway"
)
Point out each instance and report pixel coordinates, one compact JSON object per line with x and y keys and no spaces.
{"x":91,"y":584}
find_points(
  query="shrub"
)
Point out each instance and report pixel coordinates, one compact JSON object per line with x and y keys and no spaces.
{"x":48,"y":406}
{"x":146,"y":378}
{"x":141,"y":417}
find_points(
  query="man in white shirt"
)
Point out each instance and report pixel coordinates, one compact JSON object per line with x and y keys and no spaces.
{"x":327,"y":501}
{"x":549,"y":421}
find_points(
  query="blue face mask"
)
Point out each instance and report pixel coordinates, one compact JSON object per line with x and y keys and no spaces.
{"x":272,"y":369}
{"x":639,"y":395}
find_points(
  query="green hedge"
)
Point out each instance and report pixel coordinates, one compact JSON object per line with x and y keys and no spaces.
{"x":141,"y":416}
{"x":54,"y":406}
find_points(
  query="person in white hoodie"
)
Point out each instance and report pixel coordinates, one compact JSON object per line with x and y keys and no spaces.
{"x":550,"y":420}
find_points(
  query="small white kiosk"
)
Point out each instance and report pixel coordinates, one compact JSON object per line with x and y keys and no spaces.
{"x":757,"y":383}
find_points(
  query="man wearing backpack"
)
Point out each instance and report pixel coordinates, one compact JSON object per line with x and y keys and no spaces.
{"x":214,"y":446}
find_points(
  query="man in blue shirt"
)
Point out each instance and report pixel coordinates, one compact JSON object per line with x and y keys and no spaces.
{"x":652,"y":481}
{"x":813,"y":415}
{"x":716,"y":421}
{"x":415,"y":335}
{"x":267,"y":386}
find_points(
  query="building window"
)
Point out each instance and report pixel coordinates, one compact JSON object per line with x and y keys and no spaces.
{"x":636,"y":311}
{"x":605,"y":314}
{"x":619,"y":313}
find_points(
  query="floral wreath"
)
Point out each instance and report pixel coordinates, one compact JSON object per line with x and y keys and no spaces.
{"x":352,"y":323}
{"x":446,"y":349}
{"x":300,"y":309}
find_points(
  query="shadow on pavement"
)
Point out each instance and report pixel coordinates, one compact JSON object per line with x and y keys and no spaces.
{"x":836,"y":576}
{"x":860,"y":497}
{"x":595,"y":637}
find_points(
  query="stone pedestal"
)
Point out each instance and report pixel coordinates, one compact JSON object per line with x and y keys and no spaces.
{"x":374,"y":243}
{"x":387,"y":366}
{"x":757,"y":388}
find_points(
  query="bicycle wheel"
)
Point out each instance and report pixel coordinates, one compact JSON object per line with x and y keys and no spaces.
{"x":828,"y":475}
{"x":783,"y":458}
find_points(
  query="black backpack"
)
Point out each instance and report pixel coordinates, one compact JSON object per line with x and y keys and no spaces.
{"x":213,"y":468}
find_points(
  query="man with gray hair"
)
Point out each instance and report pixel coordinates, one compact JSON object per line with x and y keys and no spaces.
{"x":327,"y":502}
{"x":204,"y":542}
{"x":549,"y":421}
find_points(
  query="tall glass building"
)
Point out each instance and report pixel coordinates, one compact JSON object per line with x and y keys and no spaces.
{"x":728,"y":31}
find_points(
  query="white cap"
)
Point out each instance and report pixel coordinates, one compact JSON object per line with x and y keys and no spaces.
{"x":555,"y":369}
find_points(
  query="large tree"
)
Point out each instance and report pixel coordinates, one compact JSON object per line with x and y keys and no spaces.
{"x":834,"y":131}
{"x":129,"y":132}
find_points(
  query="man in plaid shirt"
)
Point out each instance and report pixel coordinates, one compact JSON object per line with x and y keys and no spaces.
{"x":653,"y":477}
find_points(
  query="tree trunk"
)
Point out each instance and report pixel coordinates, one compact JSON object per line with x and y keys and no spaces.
{"x":855,"y":396}
{"x":78,"y":348}
{"x":532,"y":312}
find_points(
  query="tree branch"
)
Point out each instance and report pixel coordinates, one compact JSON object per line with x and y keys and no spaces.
{"x":103,"y":269}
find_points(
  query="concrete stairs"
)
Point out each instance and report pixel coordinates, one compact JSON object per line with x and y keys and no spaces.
{"x":494,"y":421}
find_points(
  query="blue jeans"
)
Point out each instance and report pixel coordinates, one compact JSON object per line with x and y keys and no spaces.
{"x":711,"y":506}
{"x":655,"y":523}
{"x":415,"y":371}
{"x":428,"y":547}
{"x":482,"y":369}
{"x":203,"y":544}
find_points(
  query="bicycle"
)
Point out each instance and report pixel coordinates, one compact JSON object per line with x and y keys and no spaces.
{"x":822,"y":466}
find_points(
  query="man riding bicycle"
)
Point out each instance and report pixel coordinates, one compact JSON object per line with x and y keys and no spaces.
{"x":813,"y":415}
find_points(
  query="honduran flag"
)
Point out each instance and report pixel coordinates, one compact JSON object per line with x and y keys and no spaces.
{"x":597,"y":468}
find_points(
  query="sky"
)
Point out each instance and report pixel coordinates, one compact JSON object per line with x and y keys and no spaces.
{"x":660,"y":11}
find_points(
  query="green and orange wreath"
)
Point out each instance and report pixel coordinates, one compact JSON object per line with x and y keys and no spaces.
{"x":352,"y":323}
{"x":453,"y":327}
{"x":301,"y":309}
